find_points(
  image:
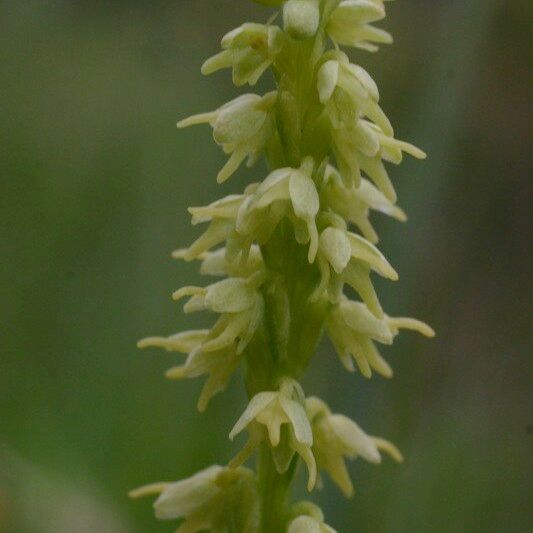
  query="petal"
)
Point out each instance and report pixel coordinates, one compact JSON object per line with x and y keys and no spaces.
{"x":389,"y":448}
{"x":182,"y":342}
{"x":257,"y":404}
{"x":304,"y":524}
{"x":304,"y":196}
{"x":298,"y":417}
{"x":328,"y":76}
{"x":367,"y":252}
{"x":362,"y":321}
{"x":412,"y":324}
{"x":335,"y":246}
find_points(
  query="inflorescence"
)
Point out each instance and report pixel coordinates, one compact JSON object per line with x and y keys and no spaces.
{"x":290,"y":250}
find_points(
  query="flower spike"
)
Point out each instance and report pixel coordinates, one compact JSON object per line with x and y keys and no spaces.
{"x":294,"y":255}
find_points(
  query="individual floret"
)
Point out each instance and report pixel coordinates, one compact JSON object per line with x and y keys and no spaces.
{"x":285,"y":192}
{"x":354,"y":203}
{"x":353,"y":329}
{"x":249,"y":50}
{"x":240,"y":305}
{"x":337,"y":438}
{"x":350,"y":24}
{"x":345,"y":257}
{"x":349,"y":93}
{"x":242,"y":127}
{"x":216,"y":499}
{"x":274,"y":412}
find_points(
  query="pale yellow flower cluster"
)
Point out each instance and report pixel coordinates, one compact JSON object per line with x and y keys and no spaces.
{"x":287,"y":248}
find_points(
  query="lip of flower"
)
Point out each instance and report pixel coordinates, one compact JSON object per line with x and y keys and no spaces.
{"x":218,"y":365}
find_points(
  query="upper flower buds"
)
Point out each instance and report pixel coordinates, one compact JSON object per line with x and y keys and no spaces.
{"x":249,"y":50}
{"x":242,"y":127}
{"x":349,"y":24}
{"x":301,"y":18}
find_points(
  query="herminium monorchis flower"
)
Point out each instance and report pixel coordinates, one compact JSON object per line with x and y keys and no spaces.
{"x":249,"y":50}
{"x":242,"y":127}
{"x":215,"y":499}
{"x":287,"y":248}
{"x":336,"y":437}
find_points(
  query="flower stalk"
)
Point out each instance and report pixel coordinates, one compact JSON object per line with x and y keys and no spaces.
{"x":290,"y":249}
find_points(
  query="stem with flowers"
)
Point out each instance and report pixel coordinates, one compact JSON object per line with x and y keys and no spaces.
{"x":295,"y":252}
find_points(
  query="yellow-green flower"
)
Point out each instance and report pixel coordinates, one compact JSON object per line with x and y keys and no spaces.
{"x":350,"y":24}
{"x":249,"y":50}
{"x":336,"y":438}
{"x":208,"y":500}
{"x":242,"y":127}
{"x":274,"y":409}
{"x":353,"y":329}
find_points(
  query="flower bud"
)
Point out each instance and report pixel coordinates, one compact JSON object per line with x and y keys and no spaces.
{"x":301,"y":18}
{"x":308,"y":524}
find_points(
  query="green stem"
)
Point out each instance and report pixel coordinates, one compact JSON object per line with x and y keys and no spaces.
{"x":293,"y":324}
{"x":274,"y":493}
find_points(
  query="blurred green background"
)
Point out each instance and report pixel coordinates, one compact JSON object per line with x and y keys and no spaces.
{"x":95,"y":181}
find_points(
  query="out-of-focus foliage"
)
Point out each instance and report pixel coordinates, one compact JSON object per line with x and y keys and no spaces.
{"x":94,"y":197}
